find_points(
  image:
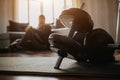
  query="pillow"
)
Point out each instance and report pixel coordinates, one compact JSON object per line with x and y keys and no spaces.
{"x":15,"y":26}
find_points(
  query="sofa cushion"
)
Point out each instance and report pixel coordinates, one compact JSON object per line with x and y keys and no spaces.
{"x":18,"y":27}
{"x":15,"y":35}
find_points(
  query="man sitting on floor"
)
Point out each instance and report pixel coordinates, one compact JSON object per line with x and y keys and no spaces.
{"x":34,"y":39}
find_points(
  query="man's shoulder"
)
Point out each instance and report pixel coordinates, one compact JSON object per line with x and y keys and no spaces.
{"x":47,"y":25}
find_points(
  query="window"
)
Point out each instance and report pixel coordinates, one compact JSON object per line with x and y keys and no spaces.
{"x":29,"y":10}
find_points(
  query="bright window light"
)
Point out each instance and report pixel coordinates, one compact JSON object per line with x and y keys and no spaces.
{"x":23,"y":11}
{"x":29,"y":10}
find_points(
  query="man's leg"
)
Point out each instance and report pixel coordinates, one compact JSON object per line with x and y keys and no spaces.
{"x":66,"y":44}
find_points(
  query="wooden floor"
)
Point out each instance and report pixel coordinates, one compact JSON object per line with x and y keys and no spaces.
{"x":11,"y":77}
{"x":47,"y":53}
{"x":31,"y":77}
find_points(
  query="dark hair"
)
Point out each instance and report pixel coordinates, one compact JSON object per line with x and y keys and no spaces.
{"x":42,"y":16}
{"x":82,"y":20}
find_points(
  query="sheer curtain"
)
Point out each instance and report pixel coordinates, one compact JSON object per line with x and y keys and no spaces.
{"x":6,"y":13}
{"x":77,"y":3}
{"x":29,"y":10}
{"x":103,"y":13}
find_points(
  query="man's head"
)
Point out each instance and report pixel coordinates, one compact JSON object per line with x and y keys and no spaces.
{"x":81,"y":21}
{"x":41,"y":20}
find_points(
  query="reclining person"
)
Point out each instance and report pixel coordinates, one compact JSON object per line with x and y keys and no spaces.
{"x":36,"y":39}
{"x":84,"y":43}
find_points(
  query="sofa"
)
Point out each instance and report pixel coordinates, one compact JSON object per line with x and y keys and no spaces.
{"x":16,"y":30}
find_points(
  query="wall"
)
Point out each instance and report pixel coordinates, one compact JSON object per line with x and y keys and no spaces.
{"x":6,"y":13}
{"x":103,"y":13}
{"x":118,"y":26}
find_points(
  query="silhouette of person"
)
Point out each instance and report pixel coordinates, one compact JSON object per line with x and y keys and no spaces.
{"x":41,"y":21}
{"x":37,"y":39}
